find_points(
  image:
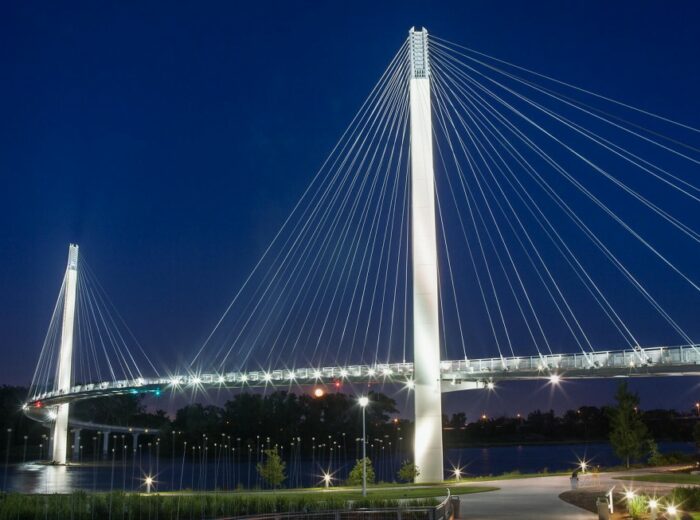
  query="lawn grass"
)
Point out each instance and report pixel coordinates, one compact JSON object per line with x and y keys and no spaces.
{"x":664,"y":478}
{"x":399,"y":493}
{"x":395,"y":492}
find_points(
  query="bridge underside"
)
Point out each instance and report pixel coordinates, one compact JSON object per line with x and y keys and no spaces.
{"x":455,"y":375}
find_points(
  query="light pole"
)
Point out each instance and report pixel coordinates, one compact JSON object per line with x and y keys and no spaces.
{"x":364,"y":401}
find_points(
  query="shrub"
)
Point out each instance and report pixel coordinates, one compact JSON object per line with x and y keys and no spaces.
{"x":688,"y":497}
{"x":408,"y":472}
{"x":355,"y":476}
{"x":637,"y":506}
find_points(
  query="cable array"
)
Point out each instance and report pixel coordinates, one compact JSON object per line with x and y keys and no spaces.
{"x":104,"y":349}
{"x":564,"y":219}
{"x":546,"y":203}
{"x":557,"y":179}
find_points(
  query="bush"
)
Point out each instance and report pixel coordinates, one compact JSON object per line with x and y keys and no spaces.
{"x":688,"y":497}
{"x":637,"y":506}
{"x":408,"y":472}
{"x":355,"y":476}
{"x":669,"y":459}
{"x":272,"y":470}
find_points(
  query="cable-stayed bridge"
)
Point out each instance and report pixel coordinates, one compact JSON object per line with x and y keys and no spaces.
{"x":476,"y":222}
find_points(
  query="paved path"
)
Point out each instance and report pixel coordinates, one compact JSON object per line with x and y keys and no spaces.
{"x":524,"y":499}
{"x":538,"y":498}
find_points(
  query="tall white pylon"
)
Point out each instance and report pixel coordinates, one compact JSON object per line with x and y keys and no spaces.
{"x":65,"y":360}
{"x":426,"y":325}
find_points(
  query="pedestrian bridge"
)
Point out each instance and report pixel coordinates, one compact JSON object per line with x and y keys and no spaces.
{"x":455,"y":375}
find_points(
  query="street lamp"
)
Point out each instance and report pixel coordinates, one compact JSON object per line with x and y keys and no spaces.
{"x":364,"y":401}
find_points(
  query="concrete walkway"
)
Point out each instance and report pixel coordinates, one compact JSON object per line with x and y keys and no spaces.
{"x":525,"y":499}
{"x":538,"y":498}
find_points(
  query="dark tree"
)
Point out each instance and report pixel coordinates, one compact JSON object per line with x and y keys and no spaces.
{"x":629,"y":435}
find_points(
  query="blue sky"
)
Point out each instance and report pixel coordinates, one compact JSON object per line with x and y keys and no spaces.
{"x":171,"y":139}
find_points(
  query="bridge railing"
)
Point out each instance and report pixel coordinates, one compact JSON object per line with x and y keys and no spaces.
{"x":450,"y":370}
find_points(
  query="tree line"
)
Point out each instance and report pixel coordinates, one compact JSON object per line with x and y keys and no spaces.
{"x":283,"y":417}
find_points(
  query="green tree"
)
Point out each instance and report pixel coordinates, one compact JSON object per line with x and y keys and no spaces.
{"x":355,"y":476}
{"x":408,"y":472}
{"x":272,"y":470}
{"x":628,"y":434}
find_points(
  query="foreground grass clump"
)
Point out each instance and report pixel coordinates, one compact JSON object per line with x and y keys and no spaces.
{"x":117,"y":505}
{"x":688,"y":497}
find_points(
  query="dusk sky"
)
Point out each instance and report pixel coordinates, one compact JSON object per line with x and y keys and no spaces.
{"x":171,"y":140}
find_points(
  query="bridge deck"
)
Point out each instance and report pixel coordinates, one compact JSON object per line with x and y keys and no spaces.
{"x":455,"y":375}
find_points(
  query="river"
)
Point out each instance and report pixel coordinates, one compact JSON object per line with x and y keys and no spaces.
{"x":34,"y":477}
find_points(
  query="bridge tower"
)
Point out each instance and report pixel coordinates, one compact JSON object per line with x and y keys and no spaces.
{"x":426,"y":325}
{"x":65,"y":360}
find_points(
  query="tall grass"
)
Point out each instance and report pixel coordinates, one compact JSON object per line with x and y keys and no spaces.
{"x":131,"y":506}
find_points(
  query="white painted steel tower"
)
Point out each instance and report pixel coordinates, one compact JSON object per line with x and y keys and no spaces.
{"x":426,"y":325}
{"x":65,"y":360}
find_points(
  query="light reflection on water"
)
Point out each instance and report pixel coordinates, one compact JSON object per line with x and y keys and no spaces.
{"x":35,"y":477}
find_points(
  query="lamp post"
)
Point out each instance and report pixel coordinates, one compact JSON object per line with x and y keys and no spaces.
{"x":364,"y":401}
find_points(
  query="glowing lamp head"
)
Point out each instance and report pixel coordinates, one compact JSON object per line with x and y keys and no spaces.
{"x":457,"y":472}
{"x":555,"y":379}
{"x":327,"y":477}
{"x":318,"y":392}
{"x":490,"y":385}
{"x":653,"y":504}
{"x":371,"y":372}
{"x":410,"y":384}
{"x":629,"y":494}
{"x":672,"y":510}
{"x":196,"y":380}
{"x":343,"y":372}
{"x":363,"y":401}
{"x":267,"y":377}
{"x":317,"y":374}
{"x":244,"y":378}
{"x":149,"y":481}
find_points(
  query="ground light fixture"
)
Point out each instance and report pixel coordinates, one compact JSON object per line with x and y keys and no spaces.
{"x":457,"y":472}
{"x":555,"y":379}
{"x":318,"y":392}
{"x":490,"y":385}
{"x":672,"y":510}
{"x":148,"y":481}
{"x":327,"y":479}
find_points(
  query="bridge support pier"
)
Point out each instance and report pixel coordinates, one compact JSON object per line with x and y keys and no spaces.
{"x":65,"y":361}
{"x":426,"y":326}
{"x":76,"y":445}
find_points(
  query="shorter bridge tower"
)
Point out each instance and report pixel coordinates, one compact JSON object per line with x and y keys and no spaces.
{"x":65,"y":361}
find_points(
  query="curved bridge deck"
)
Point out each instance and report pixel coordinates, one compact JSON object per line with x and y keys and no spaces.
{"x":455,"y":375}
